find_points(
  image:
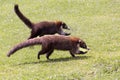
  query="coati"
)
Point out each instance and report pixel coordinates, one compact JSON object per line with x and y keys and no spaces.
{"x":42,"y":28}
{"x":51,"y":42}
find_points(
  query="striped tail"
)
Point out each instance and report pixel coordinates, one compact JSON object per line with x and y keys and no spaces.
{"x":34,"y":41}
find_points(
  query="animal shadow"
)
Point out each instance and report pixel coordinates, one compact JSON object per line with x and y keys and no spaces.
{"x":58,"y":60}
{"x":68,"y":59}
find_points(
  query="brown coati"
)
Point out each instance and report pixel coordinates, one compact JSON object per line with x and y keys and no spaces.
{"x":51,"y":42}
{"x":42,"y":28}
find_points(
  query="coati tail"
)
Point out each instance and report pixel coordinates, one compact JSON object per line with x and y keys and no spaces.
{"x":22,"y":17}
{"x":34,"y":41}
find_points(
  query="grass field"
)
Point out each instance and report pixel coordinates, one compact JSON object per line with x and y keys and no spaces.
{"x":97,"y":22}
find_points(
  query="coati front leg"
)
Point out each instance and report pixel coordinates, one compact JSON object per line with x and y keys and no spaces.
{"x":77,"y":51}
{"x":72,"y":54}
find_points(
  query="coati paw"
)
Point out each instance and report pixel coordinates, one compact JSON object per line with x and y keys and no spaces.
{"x":8,"y":55}
{"x":38,"y":57}
{"x":48,"y":58}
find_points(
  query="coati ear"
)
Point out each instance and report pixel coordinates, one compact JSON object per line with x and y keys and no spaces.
{"x":58,"y":23}
{"x":61,"y":24}
{"x":79,"y":41}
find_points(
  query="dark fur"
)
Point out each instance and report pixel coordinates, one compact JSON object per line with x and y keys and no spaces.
{"x":42,"y":28}
{"x":51,"y":42}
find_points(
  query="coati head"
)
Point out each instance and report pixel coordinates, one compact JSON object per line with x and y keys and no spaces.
{"x":82,"y":44}
{"x":62,"y":25}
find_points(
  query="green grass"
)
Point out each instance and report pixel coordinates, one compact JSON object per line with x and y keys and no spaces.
{"x":97,"y":22}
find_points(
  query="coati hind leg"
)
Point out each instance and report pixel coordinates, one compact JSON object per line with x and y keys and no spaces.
{"x":45,"y":49}
{"x":49,"y":53}
{"x":41,"y":53}
{"x":33,"y":35}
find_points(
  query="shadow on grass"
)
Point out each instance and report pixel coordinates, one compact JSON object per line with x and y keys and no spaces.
{"x":58,"y":60}
{"x":68,"y":59}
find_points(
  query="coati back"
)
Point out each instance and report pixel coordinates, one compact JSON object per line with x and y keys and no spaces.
{"x":51,"y":42}
{"x":42,"y":28}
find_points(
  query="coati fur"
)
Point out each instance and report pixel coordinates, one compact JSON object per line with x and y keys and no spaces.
{"x":51,"y":42}
{"x":42,"y":28}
